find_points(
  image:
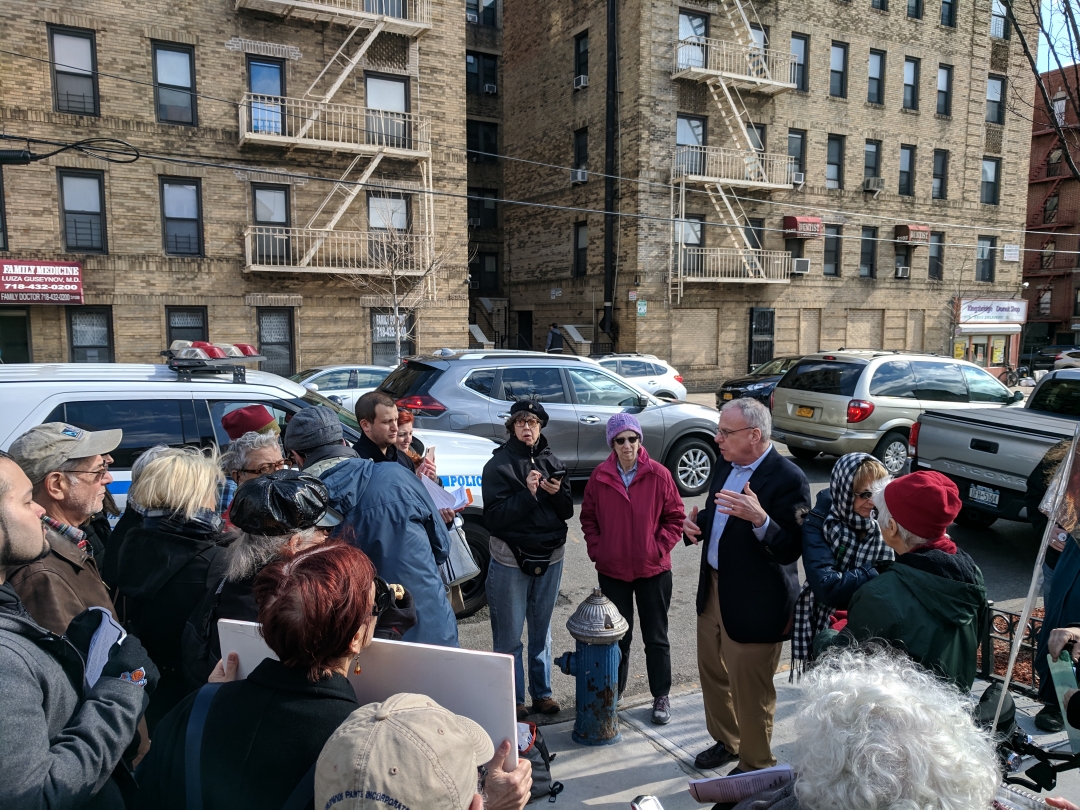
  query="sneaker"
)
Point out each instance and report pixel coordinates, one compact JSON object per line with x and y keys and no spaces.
{"x":661,"y":711}
{"x":545,"y":706}
{"x":522,"y":712}
{"x":1049,"y":719}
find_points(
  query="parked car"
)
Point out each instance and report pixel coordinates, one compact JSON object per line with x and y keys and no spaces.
{"x":648,"y":372}
{"x":1044,"y":358}
{"x":989,"y":453}
{"x":1067,"y":359}
{"x":758,"y":384}
{"x":471,"y":391}
{"x":342,"y":384}
{"x":859,"y":400}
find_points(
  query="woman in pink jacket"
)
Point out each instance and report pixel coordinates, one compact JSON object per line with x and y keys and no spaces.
{"x":632,"y":517}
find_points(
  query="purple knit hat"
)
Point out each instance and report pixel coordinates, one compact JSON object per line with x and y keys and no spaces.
{"x":620,"y":422}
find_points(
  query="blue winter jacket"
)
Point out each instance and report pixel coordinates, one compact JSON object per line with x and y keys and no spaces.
{"x":831,"y":586}
{"x":391,"y":518}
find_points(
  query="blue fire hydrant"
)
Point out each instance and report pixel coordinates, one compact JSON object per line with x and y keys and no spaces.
{"x":597,"y":627}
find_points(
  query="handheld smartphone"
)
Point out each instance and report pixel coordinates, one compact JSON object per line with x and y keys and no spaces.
{"x":646,"y":803}
{"x":430,"y":453}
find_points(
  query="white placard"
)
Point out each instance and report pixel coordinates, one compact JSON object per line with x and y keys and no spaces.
{"x":988,"y":310}
{"x":1010,"y":253}
{"x":478,"y":685}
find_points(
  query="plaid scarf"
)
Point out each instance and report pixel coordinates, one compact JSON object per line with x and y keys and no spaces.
{"x":72,"y":533}
{"x":842,"y":530}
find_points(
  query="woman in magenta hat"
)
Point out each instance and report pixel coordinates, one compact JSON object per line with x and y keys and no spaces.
{"x":931,"y":601}
{"x":632,"y":517}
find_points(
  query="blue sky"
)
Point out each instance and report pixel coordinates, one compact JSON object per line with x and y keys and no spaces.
{"x":1054,"y":20}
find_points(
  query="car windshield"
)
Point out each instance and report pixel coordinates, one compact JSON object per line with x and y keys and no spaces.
{"x":1061,"y":397}
{"x":408,"y":379}
{"x":300,"y":376}
{"x":773,"y":367}
{"x":824,"y":377}
{"x":311,"y":398}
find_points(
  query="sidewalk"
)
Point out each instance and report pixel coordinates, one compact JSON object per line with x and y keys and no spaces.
{"x":659,"y":760}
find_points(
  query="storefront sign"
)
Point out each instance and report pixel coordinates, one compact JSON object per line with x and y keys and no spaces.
{"x":983,"y":310}
{"x":802,"y":227}
{"x":26,"y":282}
{"x":912,"y":234}
{"x":997,"y":351}
{"x":959,"y":348}
{"x":1010,"y":253}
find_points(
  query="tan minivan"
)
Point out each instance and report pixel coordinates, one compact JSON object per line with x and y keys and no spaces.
{"x":855,"y":400}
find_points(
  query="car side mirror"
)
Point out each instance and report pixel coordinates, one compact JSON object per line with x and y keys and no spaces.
{"x":643,"y":401}
{"x":1017,"y":396}
{"x":311,"y":386}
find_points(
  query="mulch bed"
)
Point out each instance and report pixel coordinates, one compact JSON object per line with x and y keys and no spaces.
{"x":1022,"y":671}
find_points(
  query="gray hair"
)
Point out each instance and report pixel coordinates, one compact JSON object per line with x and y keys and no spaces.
{"x":236,"y":457}
{"x":248,"y":554}
{"x":877,"y":731}
{"x":68,"y":468}
{"x":754,"y":413}
{"x":884,"y":516}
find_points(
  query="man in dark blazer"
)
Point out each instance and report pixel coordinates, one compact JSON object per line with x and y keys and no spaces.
{"x":751,"y":539}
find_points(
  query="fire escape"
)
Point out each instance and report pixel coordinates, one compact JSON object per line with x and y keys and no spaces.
{"x":374,"y":138}
{"x":737,"y":63}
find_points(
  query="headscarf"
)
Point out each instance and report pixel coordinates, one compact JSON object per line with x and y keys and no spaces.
{"x":843,"y":526}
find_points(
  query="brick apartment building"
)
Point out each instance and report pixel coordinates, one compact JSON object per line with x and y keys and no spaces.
{"x":314,"y":131}
{"x":791,"y":178}
{"x":1051,"y":261}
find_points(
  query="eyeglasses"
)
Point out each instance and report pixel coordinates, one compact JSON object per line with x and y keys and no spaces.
{"x":269,"y":467}
{"x":723,"y":434}
{"x":626,"y":440}
{"x":383,"y":597}
{"x":529,"y":423}
{"x":98,"y":474}
{"x":866,"y":496}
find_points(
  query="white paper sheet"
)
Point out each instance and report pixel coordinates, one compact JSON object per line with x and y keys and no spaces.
{"x":107,"y":634}
{"x":457,"y":498}
{"x":739,"y":786}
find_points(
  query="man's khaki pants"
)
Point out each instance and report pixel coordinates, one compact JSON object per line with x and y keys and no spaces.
{"x":737,"y":687}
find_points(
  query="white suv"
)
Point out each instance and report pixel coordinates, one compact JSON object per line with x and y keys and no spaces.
{"x":649,"y":372}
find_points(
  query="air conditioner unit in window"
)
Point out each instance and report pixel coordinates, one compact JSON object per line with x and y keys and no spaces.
{"x":491,"y":89}
{"x":473,"y":18}
{"x":474,"y":222}
{"x":800,"y":267}
{"x":580,"y":82}
{"x":799,"y":179}
{"x":579,"y":176}
{"x":903,"y":272}
{"x":874,"y":184}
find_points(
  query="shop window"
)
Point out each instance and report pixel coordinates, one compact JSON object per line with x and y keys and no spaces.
{"x":186,"y":323}
{"x":276,"y":340}
{"x":174,"y":83}
{"x":90,"y":338}
{"x":74,"y":69}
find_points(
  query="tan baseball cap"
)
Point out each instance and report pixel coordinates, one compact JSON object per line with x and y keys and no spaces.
{"x":42,"y":449}
{"x":407,"y":752}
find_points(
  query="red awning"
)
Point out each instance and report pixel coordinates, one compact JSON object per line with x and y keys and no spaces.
{"x":802,"y":227}
{"x":913,"y":234}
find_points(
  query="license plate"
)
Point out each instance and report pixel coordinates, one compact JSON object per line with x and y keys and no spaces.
{"x":728,"y":395}
{"x":802,"y":410}
{"x":985,"y":495}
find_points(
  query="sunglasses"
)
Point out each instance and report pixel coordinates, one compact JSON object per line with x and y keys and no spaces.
{"x":529,"y":423}
{"x":866,"y":496}
{"x":383,"y":597}
{"x":626,"y":440}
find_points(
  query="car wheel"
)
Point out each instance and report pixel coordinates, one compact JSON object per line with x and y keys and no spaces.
{"x":802,"y":452}
{"x":691,"y":465}
{"x":971,"y":518}
{"x":892,"y":451}
{"x":473,"y":591}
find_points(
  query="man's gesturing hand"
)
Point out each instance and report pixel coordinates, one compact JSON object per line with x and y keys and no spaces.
{"x":507,"y":790}
{"x":743,"y":505}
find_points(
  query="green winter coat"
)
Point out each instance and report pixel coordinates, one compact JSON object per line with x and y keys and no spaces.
{"x":930,"y":604}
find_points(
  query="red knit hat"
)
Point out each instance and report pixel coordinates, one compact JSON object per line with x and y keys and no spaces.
{"x":924,"y":503}
{"x":245,"y":420}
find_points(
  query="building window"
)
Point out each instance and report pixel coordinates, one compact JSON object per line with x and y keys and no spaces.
{"x":1044,"y":302}
{"x":834,"y":166}
{"x":911,"y":83}
{"x":872,"y":162}
{"x":484,"y":273}
{"x":480,"y":12}
{"x":691,"y":239}
{"x":755,"y":233}
{"x":880,"y":5}
{"x":693,"y":31}
{"x":795,"y":247}
{"x":266,"y":79}
{"x":948,"y":13}
{"x":984,"y":258}
{"x":875,"y":87}
{"x":90,"y":338}
{"x":82,"y":207}
{"x":756,"y":133}
{"x":1047,"y":255}
{"x":944,"y":90}
{"x":690,"y":134}
{"x":833,"y":255}
{"x":481,"y":71}
{"x":940,"y":188}
{"x":3,"y":218}
{"x":1053,"y":162}
{"x":276,"y":340}
{"x":186,"y":323}
{"x":995,"y":99}
{"x":74,"y":70}
{"x":1076,"y":304}
{"x":868,"y":253}
{"x":1059,"y":111}
{"x":902,"y":257}
{"x":581,"y":148}
{"x":907,"y":170}
{"x":272,"y":243}
{"x":581,"y":54}
{"x":174,"y":83}
{"x":181,"y":216}
{"x":800,"y":50}
{"x":936,"y":268}
{"x":762,"y":336}
{"x":1050,"y":209}
{"x":990,"y":181}
{"x":482,"y":141}
{"x":838,"y":70}
{"x":581,"y":248}
{"x":388,"y":212}
{"x":796,"y":148}
{"x":914,"y":9}
{"x":483,"y":209}
{"x":999,"y":20}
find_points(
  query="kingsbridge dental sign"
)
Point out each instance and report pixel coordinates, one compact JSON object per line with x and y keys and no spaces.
{"x":984,"y":310}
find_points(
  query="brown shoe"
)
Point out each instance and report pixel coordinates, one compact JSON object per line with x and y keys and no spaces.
{"x":522,"y":712}
{"x":545,"y":706}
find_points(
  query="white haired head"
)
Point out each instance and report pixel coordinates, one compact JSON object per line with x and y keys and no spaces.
{"x":878,"y":732}
{"x":236,"y":458}
{"x":754,"y":414}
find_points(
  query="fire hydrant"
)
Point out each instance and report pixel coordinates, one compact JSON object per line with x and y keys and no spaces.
{"x":597,"y":627}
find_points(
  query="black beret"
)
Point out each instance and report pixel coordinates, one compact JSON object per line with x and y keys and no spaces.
{"x":282,"y":502}
{"x":530,"y":406}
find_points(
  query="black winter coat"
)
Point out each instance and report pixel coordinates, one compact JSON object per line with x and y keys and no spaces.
{"x":110,"y":560}
{"x":164,"y":572}
{"x":262,"y":735}
{"x":201,"y":645}
{"x":366,"y":448}
{"x":534,"y":524}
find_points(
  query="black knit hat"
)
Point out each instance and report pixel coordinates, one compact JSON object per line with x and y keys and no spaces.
{"x":281,"y":503}
{"x":529,"y":406}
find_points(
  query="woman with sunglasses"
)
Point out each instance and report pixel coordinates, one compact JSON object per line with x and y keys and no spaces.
{"x":632,"y":517}
{"x":841,"y":541}
{"x":262,"y":735}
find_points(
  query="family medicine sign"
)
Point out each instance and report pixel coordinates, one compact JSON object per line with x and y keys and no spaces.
{"x":25,"y":282}
{"x":983,"y":310}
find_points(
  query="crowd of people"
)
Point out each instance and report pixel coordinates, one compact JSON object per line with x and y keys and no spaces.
{"x":116,"y":692}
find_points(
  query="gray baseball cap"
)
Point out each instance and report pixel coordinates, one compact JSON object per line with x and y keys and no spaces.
{"x":312,"y":428}
{"x":42,"y":449}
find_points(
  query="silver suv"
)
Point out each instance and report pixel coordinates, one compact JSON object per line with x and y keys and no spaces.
{"x":472,"y":391}
{"x":855,"y":400}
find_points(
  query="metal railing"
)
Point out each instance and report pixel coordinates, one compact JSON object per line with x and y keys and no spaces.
{"x":733,"y":264}
{"x":337,"y":126}
{"x":733,"y":165}
{"x":704,"y":55}
{"x":314,"y":250}
{"x":417,"y":11}
{"x":998,"y":636}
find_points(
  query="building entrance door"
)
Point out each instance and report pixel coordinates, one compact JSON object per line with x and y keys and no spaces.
{"x":14,"y":336}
